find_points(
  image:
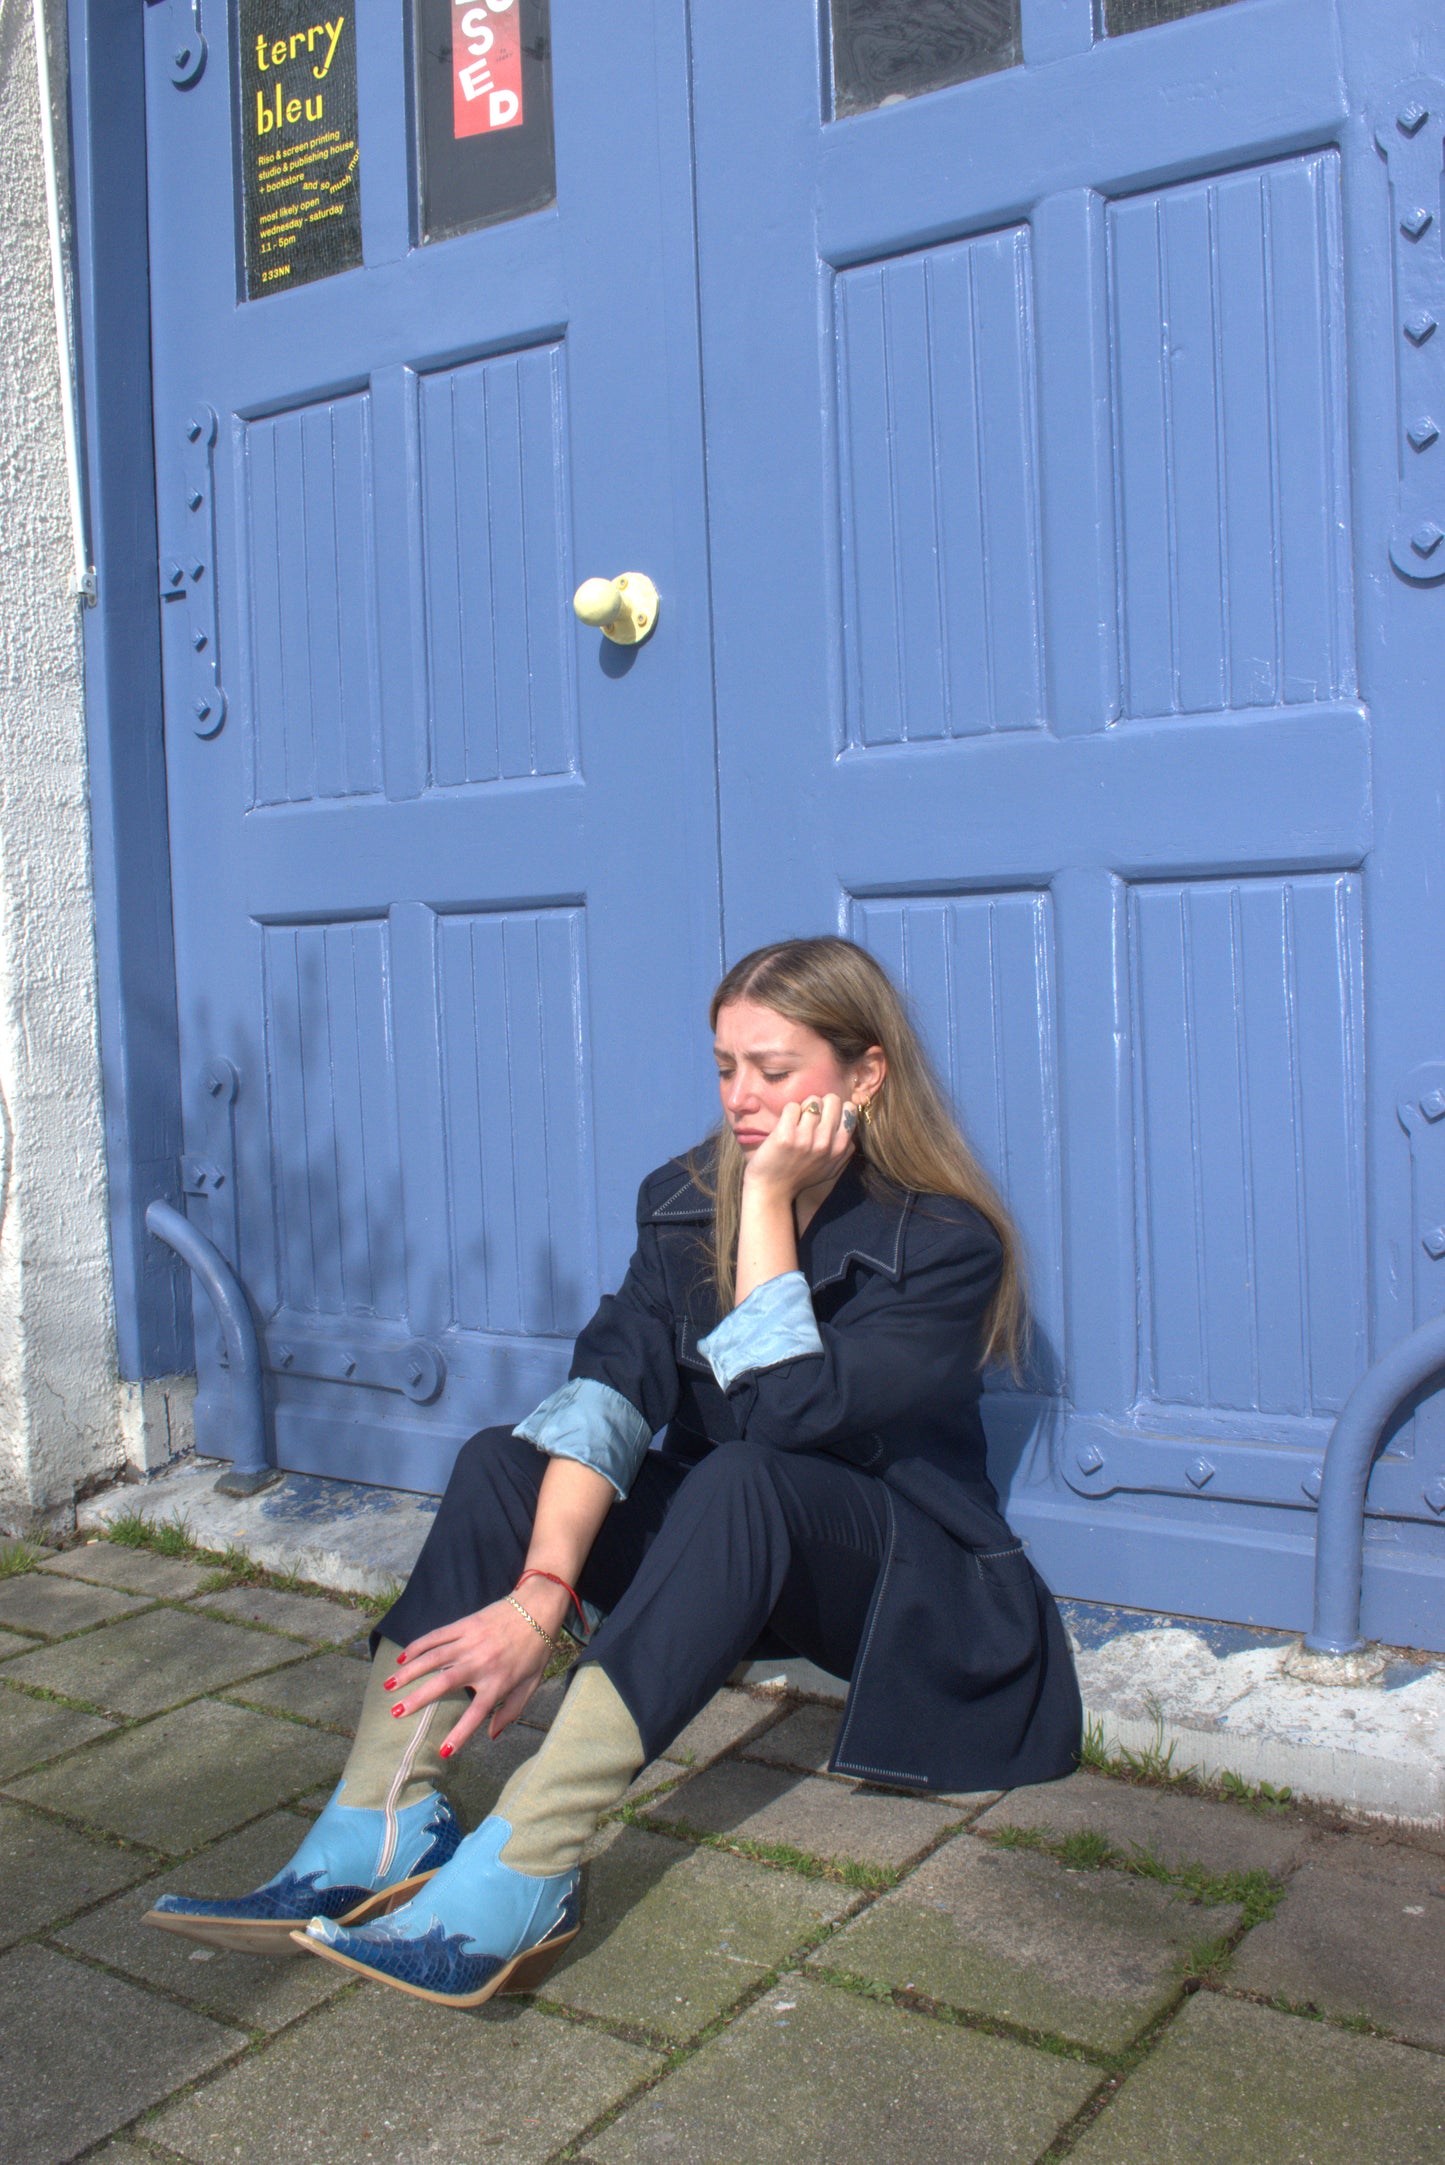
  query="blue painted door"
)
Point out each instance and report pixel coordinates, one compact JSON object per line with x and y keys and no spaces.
{"x":445,"y":863}
{"x":1074,"y":473}
{"x":1053,"y":434}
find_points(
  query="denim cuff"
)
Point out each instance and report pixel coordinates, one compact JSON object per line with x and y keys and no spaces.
{"x":591,"y":1422}
{"x":774,"y":1324}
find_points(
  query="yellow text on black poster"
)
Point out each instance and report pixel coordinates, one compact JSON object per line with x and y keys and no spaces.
{"x":300,"y":158}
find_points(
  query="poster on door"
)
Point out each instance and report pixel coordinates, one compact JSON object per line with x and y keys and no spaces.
{"x":483,"y":84}
{"x":300,"y":155}
{"x":486,"y":66}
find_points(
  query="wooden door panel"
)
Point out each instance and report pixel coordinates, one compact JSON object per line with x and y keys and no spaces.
{"x":1231,"y":480}
{"x":939,"y":517}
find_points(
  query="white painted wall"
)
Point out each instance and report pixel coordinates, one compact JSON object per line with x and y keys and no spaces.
{"x":65,"y":1422}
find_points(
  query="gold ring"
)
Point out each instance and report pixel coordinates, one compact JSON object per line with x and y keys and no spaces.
{"x":811,"y":1105}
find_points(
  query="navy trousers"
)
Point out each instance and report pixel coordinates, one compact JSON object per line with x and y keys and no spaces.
{"x":694,"y":1568}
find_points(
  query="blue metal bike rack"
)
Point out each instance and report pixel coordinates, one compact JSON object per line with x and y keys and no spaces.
{"x":250,"y":1470}
{"x":1349,"y":1455}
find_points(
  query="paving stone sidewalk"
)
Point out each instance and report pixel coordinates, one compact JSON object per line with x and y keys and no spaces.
{"x":776,"y":1964}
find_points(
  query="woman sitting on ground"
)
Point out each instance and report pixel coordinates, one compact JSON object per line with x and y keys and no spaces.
{"x":813,"y":1296}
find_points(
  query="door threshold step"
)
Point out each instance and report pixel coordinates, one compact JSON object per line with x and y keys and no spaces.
{"x":343,"y":1535}
{"x":1180,"y":1695}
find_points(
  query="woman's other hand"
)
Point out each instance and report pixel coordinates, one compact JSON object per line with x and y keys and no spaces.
{"x":807,"y":1148}
{"x":494,"y":1653}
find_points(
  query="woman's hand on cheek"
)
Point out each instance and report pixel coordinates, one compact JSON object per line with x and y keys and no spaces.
{"x":494,"y":1653}
{"x":803,"y":1150}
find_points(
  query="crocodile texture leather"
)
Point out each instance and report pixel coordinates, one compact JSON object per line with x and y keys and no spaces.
{"x":288,"y":1895}
{"x":433,"y":1837}
{"x":439,"y":1961}
{"x":475,"y":1915}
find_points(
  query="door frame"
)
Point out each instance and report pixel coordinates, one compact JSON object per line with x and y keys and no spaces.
{"x":121,"y":633}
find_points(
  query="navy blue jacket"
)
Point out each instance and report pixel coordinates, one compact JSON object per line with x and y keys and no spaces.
{"x":964,"y":1680}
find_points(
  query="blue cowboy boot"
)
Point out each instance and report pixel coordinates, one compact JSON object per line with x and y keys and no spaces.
{"x":476,"y":1928}
{"x":384,"y":1832}
{"x":498,"y":1915}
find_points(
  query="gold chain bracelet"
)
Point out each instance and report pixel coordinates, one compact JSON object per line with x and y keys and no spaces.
{"x":531,"y":1619}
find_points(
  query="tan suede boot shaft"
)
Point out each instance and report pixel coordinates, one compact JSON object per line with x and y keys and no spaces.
{"x":395,"y":1762}
{"x":554,"y":1801}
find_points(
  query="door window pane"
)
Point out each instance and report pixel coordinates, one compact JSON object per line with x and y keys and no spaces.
{"x":884,"y":50}
{"x":1120,"y":16}
{"x":483,"y":71}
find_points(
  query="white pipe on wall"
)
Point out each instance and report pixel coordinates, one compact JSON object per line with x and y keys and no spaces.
{"x":82,"y":584}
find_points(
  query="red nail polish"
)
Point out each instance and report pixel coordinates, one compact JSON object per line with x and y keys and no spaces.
{"x":390,"y":1684}
{"x":397,"y":1712}
{"x":400,"y":1659}
{"x":445,"y":1752}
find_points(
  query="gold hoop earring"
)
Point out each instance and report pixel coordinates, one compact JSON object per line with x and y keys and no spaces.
{"x":865,"y":1111}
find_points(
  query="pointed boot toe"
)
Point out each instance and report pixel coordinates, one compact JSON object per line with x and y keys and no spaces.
{"x":477,"y":1930}
{"x":354,"y":1865}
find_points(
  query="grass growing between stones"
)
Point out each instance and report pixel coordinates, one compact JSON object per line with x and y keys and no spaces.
{"x":842,"y":1871}
{"x":1120,"y":2066}
{"x":1205,"y":1961}
{"x":1257,"y":1894}
{"x":677,"y":2050}
{"x":236,"y":1568}
{"x":18,"y":1556}
{"x":909,"y":2001}
{"x":168,"y":1537}
{"x":1154,"y":1768}
{"x":1258,"y":1794}
{"x":230,"y":1566}
{"x":374,"y":1605}
{"x":1203,"y":1964}
{"x":1358,"y":2025}
{"x":27,"y":1690}
{"x":1087,"y":1850}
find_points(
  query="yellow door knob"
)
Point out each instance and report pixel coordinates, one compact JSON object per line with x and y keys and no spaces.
{"x":624,"y":609}
{"x":597,"y":601}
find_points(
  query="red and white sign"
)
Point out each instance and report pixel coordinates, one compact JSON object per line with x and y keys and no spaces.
{"x":486,"y":66}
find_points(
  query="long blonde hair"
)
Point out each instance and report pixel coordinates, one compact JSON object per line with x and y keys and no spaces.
{"x":910,"y":1139}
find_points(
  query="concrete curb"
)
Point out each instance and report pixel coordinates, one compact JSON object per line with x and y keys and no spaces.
{"x":1352,"y":1780}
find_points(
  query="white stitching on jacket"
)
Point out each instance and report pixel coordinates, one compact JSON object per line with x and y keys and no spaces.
{"x":660,"y":1210}
{"x":891,"y":1774}
{"x":861,"y":1255}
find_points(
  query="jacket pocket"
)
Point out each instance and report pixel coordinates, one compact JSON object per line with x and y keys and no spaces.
{"x":1009,"y":1592}
{"x":1003,"y":1567}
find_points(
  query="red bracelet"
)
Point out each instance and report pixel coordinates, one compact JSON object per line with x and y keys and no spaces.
{"x":533,"y":1573}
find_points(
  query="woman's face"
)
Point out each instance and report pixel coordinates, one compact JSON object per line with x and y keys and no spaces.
{"x":765,"y":1062}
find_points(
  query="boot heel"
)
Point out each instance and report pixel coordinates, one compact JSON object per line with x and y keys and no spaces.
{"x":528,"y":1971}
